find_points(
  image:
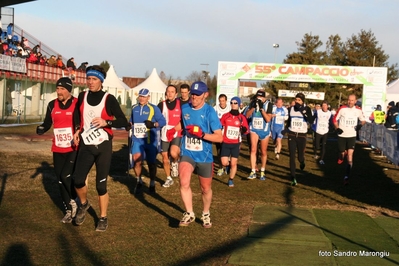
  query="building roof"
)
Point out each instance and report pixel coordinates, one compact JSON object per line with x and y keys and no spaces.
{"x":13,"y":2}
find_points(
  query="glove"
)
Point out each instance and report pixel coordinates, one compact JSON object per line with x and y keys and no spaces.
{"x":358,"y":127}
{"x":243,"y":130}
{"x":259,"y":103}
{"x":40,"y":130}
{"x":194,"y":131}
{"x":149,"y":124}
{"x":170,"y":134}
{"x":128,"y":127}
{"x":339,"y":131}
{"x":253,"y":104}
{"x":299,"y":108}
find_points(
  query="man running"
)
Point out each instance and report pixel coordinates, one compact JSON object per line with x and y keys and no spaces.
{"x":260,"y":115}
{"x":321,"y":127}
{"x":146,"y":120}
{"x":170,"y":138}
{"x":279,"y":116}
{"x":346,"y":125}
{"x":202,"y":127}
{"x":221,"y":109}
{"x":60,"y":115}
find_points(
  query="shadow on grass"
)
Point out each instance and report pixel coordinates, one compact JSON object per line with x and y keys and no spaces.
{"x":3,"y":186}
{"x":120,"y":173}
{"x":17,"y":254}
{"x":50,"y":183}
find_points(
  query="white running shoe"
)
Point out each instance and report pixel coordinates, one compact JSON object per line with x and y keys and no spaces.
{"x":220,"y":172}
{"x":74,"y":208}
{"x":168,"y":182}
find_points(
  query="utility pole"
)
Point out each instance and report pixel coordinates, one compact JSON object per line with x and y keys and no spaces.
{"x":275,"y":46}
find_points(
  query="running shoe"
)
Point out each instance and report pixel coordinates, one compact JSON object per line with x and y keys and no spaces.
{"x":316,"y":156}
{"x":74,"y":208}
{"x":293,"y":182}
{"x":302,"y":165}
{"x":252,"y":175}
{"x":277,"y":156}
{"x":187,"y":219}
{"x":81,"y":213}
{"x":174,"y":167}
{"x":220,"y":172}
{"x":67,"y":218}
{"x":206,"y":220}
{"x":168,"y":182}
{"x":321,"y":162}
{"x":262,"y":176}
{"x":151,"y":189}
{"x":102,"y":224}
{"x":139,"y":188}
{"x":346,"y":180}
{"x":230,"y":183}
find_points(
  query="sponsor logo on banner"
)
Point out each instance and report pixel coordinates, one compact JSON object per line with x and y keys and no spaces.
{"x":227,"y":73}
{"x":228,"y":66}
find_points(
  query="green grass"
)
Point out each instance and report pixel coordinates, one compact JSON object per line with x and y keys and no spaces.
{"x":144,"y":230}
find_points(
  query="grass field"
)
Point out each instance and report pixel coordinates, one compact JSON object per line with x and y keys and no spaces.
{"x":143,"y":230}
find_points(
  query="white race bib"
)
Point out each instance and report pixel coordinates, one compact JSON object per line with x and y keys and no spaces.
{"x":139,"y":130}
{"x":232,"y":132}
{"x":193,"y":144}
{"x":279,"y":119}
{"x":350,"y":122}
{"x":63,"y":137}
{"x":257,"y":122}
{"x":94,"y":136}
{"x":323,"y":125}
{"x":297,"y":124}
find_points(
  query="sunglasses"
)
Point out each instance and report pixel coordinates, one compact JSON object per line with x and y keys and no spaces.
{"x":233,"y":102}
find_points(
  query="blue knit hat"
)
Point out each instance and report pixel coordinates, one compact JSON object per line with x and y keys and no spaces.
{"x":235,"y":98}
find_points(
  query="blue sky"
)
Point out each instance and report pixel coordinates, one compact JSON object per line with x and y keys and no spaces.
{"x":177,"y":36}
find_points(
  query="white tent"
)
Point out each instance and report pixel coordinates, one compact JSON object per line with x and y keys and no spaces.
{"x":154,"y":84}
{"x":393,"y":91}
{"x":115,"y":86}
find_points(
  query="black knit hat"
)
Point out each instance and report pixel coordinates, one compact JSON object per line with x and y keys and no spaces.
{"x":65,"y":82}
{"x":301,"y":96}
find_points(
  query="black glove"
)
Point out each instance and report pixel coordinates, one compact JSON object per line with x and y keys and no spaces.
{"x":299,"y":108}
{"x":259,"y":103}
{"x":128,"y":127}
{"x":149,"y":124}
{"x":253,"y":104}
{"x":358,"y":127}
{"x":40,"y":130}
{"x":339,"y":131}
{"x":243,"y":129}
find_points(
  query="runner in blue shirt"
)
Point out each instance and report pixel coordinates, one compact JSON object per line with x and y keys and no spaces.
{"x":146,"y":120}
{"x":201,"y":127}
{"x":279,"y":116}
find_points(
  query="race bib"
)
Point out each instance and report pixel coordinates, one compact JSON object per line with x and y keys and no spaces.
{"x":279,"y":119}
{"x":350,"y":122}
{"x":140,"y":130}
{"x":232,"y":132}
{"x":297,"y":124}
{"x":94,"y":136}
{"x":193,"y":144}
{"x":63,"y":137}
{"x":323,"y":125}
{"x":257,"y":122}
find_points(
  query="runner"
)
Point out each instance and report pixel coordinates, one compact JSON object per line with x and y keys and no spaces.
{"x":202,"y":127}
{"x":184,"y":93}
{"x":279,"y":116}
{"x":221,"y":109}
{"x":321,"y":128}
{"x":299,"y":116}
{"x":234,"y":124}
{"x":346,"y":125}
{"x":260,"y":114}
{"x":146,"y":120}
{"x":60,"y":115}
{"x":97,"y":112}
{"x":170,"y":138}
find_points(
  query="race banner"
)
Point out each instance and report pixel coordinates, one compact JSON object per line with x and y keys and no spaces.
{"x":13,"y":64}
{"x":372,"y":78}
{"x":315,"y":95}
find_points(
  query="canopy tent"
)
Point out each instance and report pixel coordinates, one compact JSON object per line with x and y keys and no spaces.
{"x":393,"y":91}
{"x":154,"y":84}
{"x":115,"y":86}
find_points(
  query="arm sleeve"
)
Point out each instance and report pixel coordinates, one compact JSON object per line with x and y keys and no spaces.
{"x":48,"y":121}
{"x":113,"y":108}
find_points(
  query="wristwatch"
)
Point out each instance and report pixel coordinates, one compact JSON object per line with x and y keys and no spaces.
{"x":109,"y":123}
